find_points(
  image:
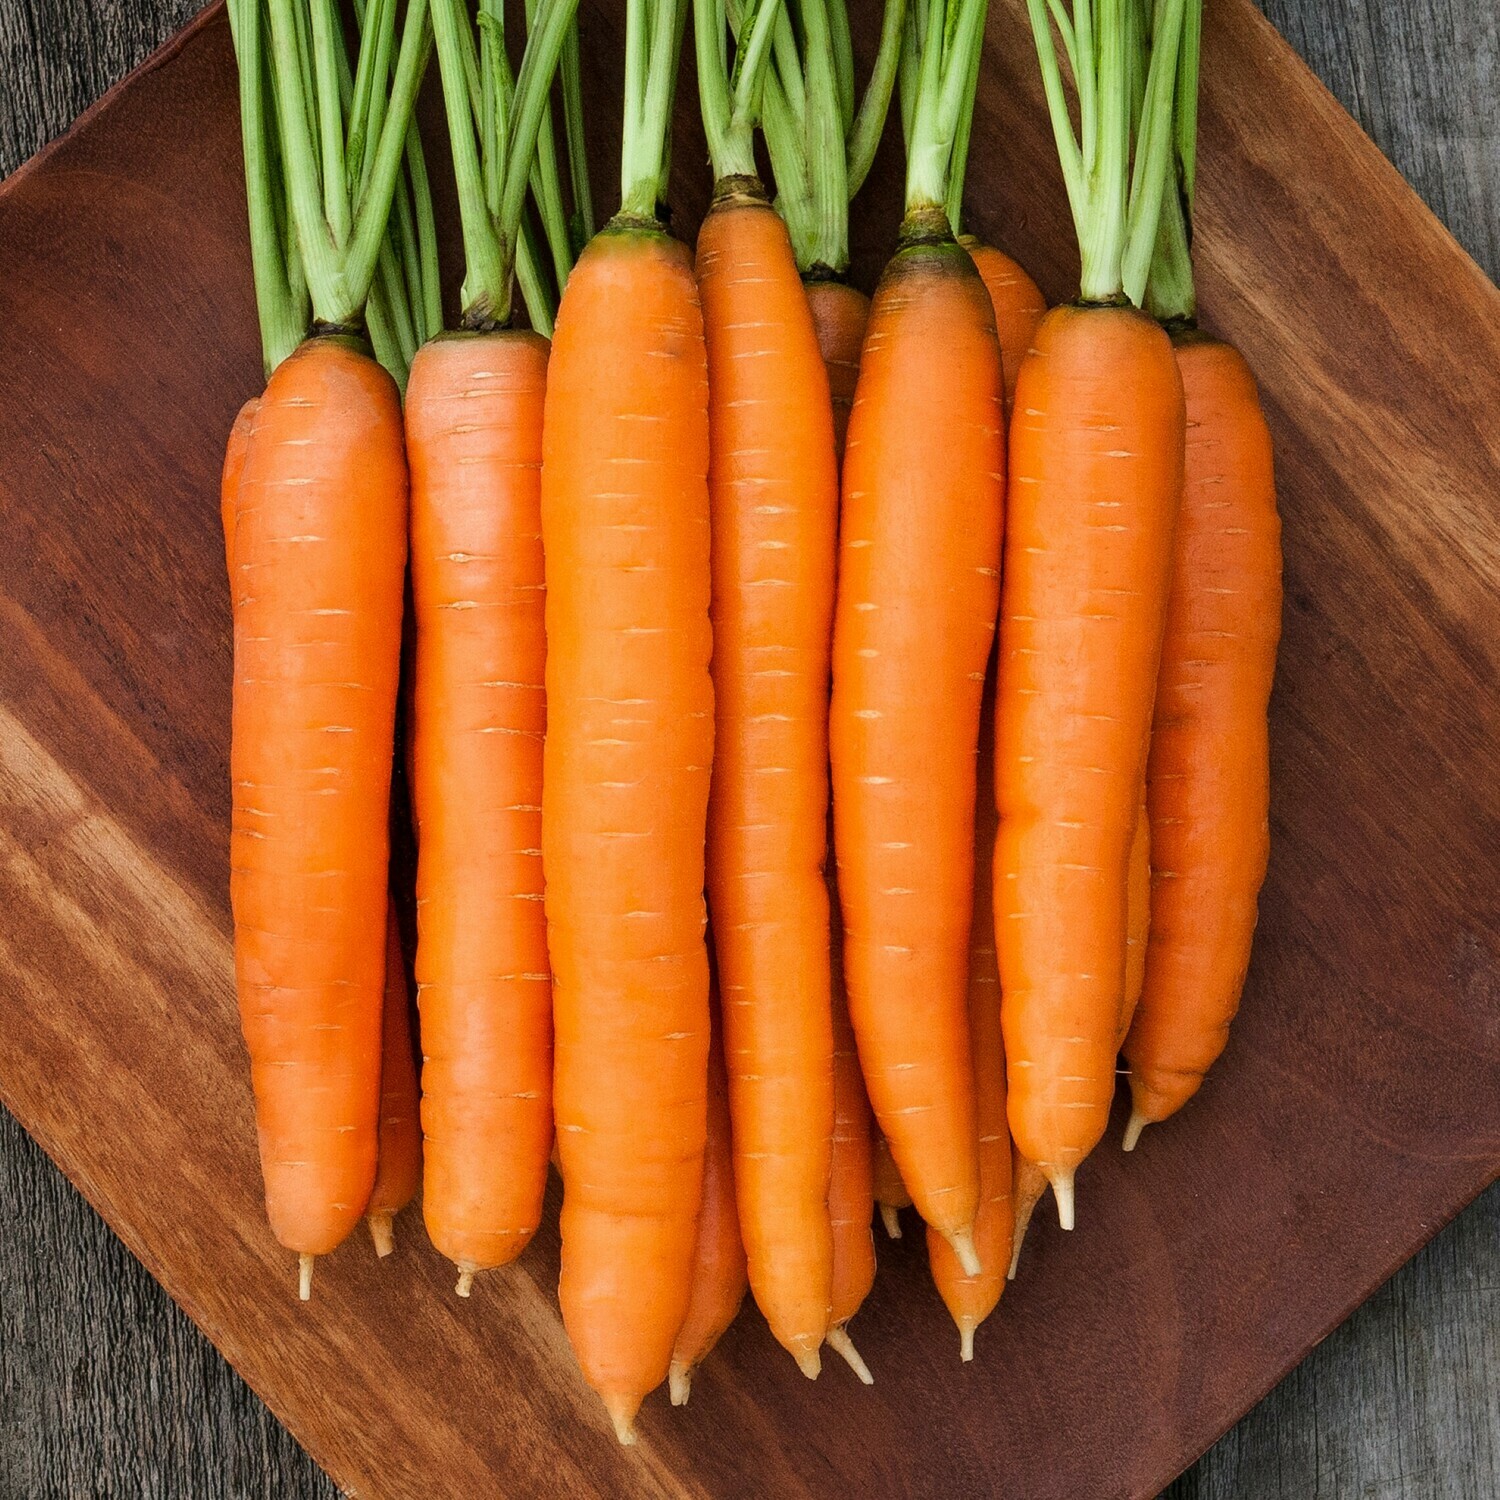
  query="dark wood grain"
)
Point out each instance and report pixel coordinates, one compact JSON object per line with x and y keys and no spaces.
{"x":125,"y":651}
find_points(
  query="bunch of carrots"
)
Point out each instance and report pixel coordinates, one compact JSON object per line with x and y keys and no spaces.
{"x":715,"y":568}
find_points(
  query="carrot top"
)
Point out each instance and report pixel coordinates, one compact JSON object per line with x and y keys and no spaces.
{"x":343,"y":141}
{"x":502,"y":140}
{"x":404,"y":304}
{"x":821,"y":147}
{"x":938,"y":96}
{"x":1115,"y":162}
{"x":1170,"y":294}
{"x":730,"y":98}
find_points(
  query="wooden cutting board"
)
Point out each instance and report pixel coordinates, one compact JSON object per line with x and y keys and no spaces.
{"x":1358,"y":1105}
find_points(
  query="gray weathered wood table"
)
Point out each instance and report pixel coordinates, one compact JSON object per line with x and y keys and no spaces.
{"x":107,"y":1390}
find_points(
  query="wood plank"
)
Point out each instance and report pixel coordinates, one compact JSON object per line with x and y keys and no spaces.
{"x":123,"y":655}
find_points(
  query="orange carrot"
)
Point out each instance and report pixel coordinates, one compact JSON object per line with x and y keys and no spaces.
{"x":1096,"y":443}
{"x":1018,"y":303}
{"x":773,"y":494}
{"x":972,"y":1298}
{"x":840,"y":313}
{"x":718,"y":1278}
{"x":1208,"y":780}
{"x":1096,"y":454}
{"x":320,"y":554}
{"x":474,"y":436}
{"x":914,"y":625}
{"x":629,"y":745}
{"x":398,"y":1164}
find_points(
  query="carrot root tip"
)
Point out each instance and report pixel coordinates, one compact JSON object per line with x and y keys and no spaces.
{"x":622,"y":1410}
{"x":810,"y":1363}
{"x":465,"y":1278}
{"x":304,"y":1277}
{"x":966,"y":1341}
{"x":890,"y":1216}
{"x":680,"y":1383}
{"x":962,"y":1241}
{"x":842,"y":1345}
{"x":1062,"y":1190}
{"x":381,"y":1233}
{"x":1138,"y":1122}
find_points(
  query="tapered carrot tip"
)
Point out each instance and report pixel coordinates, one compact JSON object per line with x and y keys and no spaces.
{"x":622,"y":1410}
{"x":680,"y":1383}
{"x":1062,"y":1190}
{"x":841,"y":1344}
{"x":1138,"y":1122}
{"x":966,"y":1341}
{"x":962,"y":1241}
{"x":1029,"y":1187}
{"x":382,"y":1233}
{"x":465,"y":1279}
{"x":304,"y":1276}
{"x":891,"y":1218}
{"x":810,"y":1363}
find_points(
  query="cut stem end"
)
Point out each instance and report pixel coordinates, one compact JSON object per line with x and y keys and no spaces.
{"x":680,"y":1382}
{"x":890,"y":1216}
{"x":304,"y":1276}
{"x":962,"y":1241}
{"x":382,"y":1233}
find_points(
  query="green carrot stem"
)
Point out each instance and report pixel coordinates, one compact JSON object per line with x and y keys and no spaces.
{"x":827,"y":153}
{"x":869,"y":123}
{"x":283,"y":317}
{"x":546,"y":183}
{"x":528,"y":107}
{"x":961,"y":137}
{"x":843,"y":60}
{"x":954,"y":34}
{"x":1155,"y":152}
{"x":653,"y":30}
{"x":1170,"y":293}
{"x":578,"y":161}
{"x":731,"y":102}
{"x":328,"y":53}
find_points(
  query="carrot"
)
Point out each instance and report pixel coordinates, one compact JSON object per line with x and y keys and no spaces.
{"x":236,"y":450}
{"x":474,"y":436}
{"x":318,"y":552}
{"x":398,"y":1160}
{"x":1027,"y":1185}
{"x":718,"y":1277}
{"x":1096,"y":465}
{"x":890,"y":1191}
{"x":625,"y":532}
{"x":972,"y":1298}
{"x":317,"y":636}
{"x":913,"y":629}
{"x":773,"y":499}
{"x":1208,"y":777}
{"x":474,"y":411}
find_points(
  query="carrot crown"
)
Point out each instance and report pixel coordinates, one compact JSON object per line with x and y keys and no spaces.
{"x":821,"y":148}
{"x":1115,"y":162}
{"x":1170,"y":294}
{"x":502,"y":139}
{"x":343,"y":140}
{"x":730,"y":99}
{"x":942,"y":46}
